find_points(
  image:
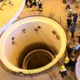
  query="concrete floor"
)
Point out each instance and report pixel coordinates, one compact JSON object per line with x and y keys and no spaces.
{"x":57,"y":7}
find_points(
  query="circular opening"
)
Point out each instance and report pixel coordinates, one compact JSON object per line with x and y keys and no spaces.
{"x":37,"y":59}
{"x":36,"y":55}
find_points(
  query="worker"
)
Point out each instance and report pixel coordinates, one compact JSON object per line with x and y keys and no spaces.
{"x":40,"y":5}
{"x":72,"y":62}
{"x":33,"y":3}
{"x":68,"y":5}
{"x":66,"y":62}
{"x":69,"y":49}
{"x":63,"y":71}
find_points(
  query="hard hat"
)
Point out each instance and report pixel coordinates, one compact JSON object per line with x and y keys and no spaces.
{"x":66,"y":58}
{"x":62,"y":67}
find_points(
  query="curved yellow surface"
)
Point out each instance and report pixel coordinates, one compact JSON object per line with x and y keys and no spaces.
{"x":9,"y":13}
